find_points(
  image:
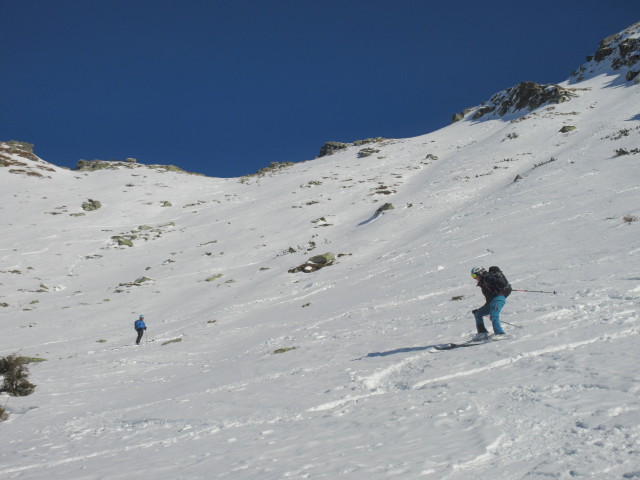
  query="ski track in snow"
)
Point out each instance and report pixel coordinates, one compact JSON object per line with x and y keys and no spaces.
{"x":513,"y":360}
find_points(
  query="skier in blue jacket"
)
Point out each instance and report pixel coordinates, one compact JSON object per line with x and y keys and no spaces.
{"x":140,"y":327}
{"x":495,"y":288}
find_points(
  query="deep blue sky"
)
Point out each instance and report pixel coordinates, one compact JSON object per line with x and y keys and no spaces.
{"x":226,"y":87}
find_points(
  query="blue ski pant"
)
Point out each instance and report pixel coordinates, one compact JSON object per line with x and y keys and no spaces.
{"x":492,"y":309}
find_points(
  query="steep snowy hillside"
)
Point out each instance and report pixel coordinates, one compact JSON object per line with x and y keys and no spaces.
{"x":541,"y":183}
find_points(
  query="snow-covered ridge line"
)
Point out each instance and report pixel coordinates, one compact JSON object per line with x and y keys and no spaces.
{"x":252,"y":372}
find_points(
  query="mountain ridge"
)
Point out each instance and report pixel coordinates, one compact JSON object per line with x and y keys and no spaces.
{"x":358,"y":389}
{"x":616,"y":54}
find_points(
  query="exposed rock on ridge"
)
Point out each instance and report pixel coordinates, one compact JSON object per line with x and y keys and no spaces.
{"x":615,"y":54}
{"x":92,"y":165}
{"x":20,"y":159}
{"x":525,"y":96}
{"x":329,"y":148}
{"x":622,"y":49}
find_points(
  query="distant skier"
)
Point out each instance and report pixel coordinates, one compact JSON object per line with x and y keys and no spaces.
{"x":140,"y":328}
{"x":495,"y":288}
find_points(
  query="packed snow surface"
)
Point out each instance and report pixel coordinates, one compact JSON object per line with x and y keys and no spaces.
{"x":359,"y":391}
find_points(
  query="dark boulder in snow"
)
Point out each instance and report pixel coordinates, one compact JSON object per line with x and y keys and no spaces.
{"x":315,"y":263}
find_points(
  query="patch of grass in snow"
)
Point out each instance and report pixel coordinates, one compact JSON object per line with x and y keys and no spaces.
{"x":536,"y":165}
{"x":284,"y":350}
{"x":27,"y":360}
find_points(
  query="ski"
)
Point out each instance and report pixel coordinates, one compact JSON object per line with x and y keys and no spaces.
{"x":470,"y":343}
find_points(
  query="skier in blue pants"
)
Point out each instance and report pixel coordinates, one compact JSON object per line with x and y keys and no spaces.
{"x":495,"y":289}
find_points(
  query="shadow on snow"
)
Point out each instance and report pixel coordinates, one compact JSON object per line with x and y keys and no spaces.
{"x":400,"y":350}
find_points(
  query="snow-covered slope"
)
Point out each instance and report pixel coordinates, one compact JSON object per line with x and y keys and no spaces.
{"x":361,"y":393}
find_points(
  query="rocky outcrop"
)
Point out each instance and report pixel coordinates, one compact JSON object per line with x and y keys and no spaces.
{"x":315,"y":263}
{"x":456,"y":117}
{"x":91,"y":165}
{"x":620,"y":51}
{"x":94,"y":165}
{"x":367,"y":152}
{"x":21,"y":149}
{"x":20,"y":159}
{"x":329,"y":148}
{"x":273,"y":168}
{"x":617,"y":52}
{"x":365,"y":141}
{"x":525,"y":96}
{"x":382,"y":209}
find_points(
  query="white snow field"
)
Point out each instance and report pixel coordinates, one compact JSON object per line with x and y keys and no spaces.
{"x":363,"y":393}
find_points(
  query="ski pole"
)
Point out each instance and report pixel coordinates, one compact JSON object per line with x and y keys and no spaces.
{"x":534,"y":291}
{"x":507,"y":323}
